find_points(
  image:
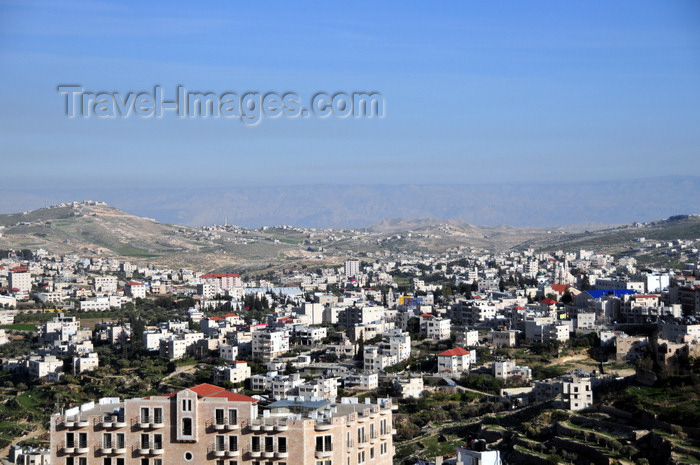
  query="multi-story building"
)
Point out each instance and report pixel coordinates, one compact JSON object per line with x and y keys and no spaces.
{"x":352,"y":267}
{"x":135,"y":289}
{"x":21,"y":281}
{"x":236,"y":373}
{"x":267,"y":345}
{"x":454,"y":361}
{"x":208,"y":424}
{"x":224,"y":281}
{"x":106,"y":284}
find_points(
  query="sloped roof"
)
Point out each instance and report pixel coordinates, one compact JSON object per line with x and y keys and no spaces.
{"x":210,"y":390}
{"x":457,"y":351}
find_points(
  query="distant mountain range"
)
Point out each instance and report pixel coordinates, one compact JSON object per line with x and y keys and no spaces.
{"x":536,"y":203}
{"x":94,"y":228}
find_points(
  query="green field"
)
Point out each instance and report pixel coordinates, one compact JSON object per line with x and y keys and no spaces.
{"x":20,"y":327}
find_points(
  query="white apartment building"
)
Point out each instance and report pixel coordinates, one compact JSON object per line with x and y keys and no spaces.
{"x":352,"y":268}
{"x":47,"y":366}
{"x":454,"y":361}
{"x":86,"y":362}
{"x":267,"y":345}
{"x":106,"y":284}
{"x":22,"y":281}
{"x":228,"y":352}
{"x":236,"y":373}
{"x":135,"y":290}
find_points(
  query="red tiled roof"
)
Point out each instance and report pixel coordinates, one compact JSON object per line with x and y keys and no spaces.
{"x":520,"y":308}
{"x":427,"y":315}
{"x":134,"y":283}
{"x":548,"y":301}
{"x":456,"y":351}
{"x":230,"y":315}
{"x":216,"y":318}
{"x":559,"y":287}
{"x":220,"y":275}
{"x":209,"y":390}
{"x":646,"y":296}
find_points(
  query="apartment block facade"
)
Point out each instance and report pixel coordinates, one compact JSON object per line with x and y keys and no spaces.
{"x":208,"y":424}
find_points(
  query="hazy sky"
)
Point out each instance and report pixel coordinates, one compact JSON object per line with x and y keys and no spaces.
{"x":474,"y":91}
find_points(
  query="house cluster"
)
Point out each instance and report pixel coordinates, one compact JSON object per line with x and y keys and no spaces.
{"x":465,"y":297}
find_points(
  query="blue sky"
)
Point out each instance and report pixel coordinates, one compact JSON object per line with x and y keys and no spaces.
{"x":475,"y":91}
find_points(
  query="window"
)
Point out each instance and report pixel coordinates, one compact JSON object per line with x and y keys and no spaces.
{"x":382,"y":427}
{"x":371,"y":431}
{"x":157,"y":461}
{"x":371,"y":453}
{"x":188,"y":456}
{"x":144,"y":461}
{"x":282,"y":444}
{"x":107,"y":461}
{"x":157,"y":441}
{"x":82,"y":441}
{"x":219,"y":416}
{"x":120,"y":442}
{"x":144,"y":441}
{"x":107,"y":441}
{"x":70,"y":440}
{"x":233,"y":443}
{"x":144,"y":415}
{"x":361,"y":457}
{"x":269,"y":444}
{"x":383,"y":448}
{"x":82,"y":461}
{"x":187,"y":427}
{"x":120,"y":461}
{"x":361,"y":434}
{"x":186,"y":405}
{"x":220,"y":443}
{"x":158,"y":415}
{"x":70,"y":461}
{"x":255,"y":444}
{"x":232,"y":416}
{"x":324,"y":443}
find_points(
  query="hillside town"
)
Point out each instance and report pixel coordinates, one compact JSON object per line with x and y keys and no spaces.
{"x":327,"y":348}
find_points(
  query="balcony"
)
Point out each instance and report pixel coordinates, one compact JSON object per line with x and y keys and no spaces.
{"x":82,"y":450}
{"x":105,"y":450}
{"x":281,"y":454}
{"x":233,"y":453}
{"x":268,"y":454}
{"x":280,"y":427}
{"x":83,"y":423}
{"x":157,"y":450}
{"x":323,"y":454}
{"x":69,"y":449}
{"x":156,"y":424}
{"x":322,"y":426}
{"x":119,"y":423}
{"x":255,"y":453}
{"x":119,"y":450}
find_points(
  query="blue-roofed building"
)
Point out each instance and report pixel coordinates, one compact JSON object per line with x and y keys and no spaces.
{"x":598,"y":293}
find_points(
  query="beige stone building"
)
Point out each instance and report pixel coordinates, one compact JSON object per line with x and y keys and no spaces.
{"x":208,"y":424}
